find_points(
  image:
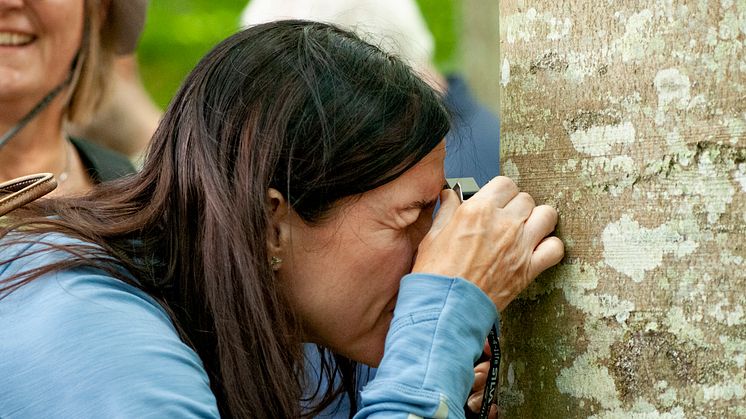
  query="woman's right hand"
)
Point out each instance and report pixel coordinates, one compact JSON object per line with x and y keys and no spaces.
{"x":498,"y":239}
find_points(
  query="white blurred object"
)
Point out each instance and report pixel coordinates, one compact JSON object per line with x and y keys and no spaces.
{"x":396,"y":26}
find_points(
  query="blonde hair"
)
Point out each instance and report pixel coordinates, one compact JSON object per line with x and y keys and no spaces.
{"x":92,"y":70}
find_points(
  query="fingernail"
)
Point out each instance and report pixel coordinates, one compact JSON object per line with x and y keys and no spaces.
{"x":474,"y":402}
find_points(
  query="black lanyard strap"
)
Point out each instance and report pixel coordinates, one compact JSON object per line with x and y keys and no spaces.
{"x":493,"y":374}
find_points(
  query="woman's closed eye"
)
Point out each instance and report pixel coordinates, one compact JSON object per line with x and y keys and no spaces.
{"x":414,"y":212}
{"x":419,"y":227}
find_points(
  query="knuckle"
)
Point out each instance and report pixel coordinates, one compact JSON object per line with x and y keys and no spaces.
{"x":548,"y":212}
{"x":511,"y":226}
{"x":476,"y":209}
{"x":549,"y":209}
{"x":468,"y":209}
{"x":560,"y":246}
{"x":525,"y":196}
{"x":505,"y":182}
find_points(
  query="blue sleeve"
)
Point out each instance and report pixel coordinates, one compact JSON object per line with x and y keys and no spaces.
{"x":439,"y":328}
{"x":80,"y":344}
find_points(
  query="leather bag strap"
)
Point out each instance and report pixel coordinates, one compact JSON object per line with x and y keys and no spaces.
{"x":20,"y":191}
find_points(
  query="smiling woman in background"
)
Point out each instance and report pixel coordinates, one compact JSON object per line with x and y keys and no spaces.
{"x":55,"y":58}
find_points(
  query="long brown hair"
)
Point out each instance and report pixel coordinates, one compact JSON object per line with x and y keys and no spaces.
{"x":303,"y":107}
{"x":92,"y":69}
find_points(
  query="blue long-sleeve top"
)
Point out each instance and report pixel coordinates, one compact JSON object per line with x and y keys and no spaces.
{"x":78,"y":343}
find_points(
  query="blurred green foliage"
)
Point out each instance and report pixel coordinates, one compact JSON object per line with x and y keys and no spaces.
{"x":179,"y":32}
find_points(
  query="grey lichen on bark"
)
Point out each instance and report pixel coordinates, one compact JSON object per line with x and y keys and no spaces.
{"x":630,"y":118}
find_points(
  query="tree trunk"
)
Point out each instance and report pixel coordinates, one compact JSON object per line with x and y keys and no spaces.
{"x":630,"y":118}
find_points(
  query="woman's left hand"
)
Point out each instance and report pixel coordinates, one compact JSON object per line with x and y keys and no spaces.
{"x":474,"y":402}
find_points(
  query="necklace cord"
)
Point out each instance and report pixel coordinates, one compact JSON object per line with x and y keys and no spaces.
{"x":35,"y":111}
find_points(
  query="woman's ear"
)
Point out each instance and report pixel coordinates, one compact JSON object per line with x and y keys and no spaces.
{"x":278,"y":233}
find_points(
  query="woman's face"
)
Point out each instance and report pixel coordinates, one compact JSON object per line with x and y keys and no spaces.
{"x":342,"y":276}
{"x":38,"y":40}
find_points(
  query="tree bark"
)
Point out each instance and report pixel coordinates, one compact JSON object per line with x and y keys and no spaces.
{"x":630,"y":118}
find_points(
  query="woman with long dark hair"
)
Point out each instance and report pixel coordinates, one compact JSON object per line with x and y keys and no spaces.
{"x":286,"y":197}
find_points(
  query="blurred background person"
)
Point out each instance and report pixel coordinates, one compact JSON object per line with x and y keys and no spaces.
{"x":397,"y":26}
{"x":55,"y":67}
{"x":181,"y":31}
{"x":128,"y":117}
